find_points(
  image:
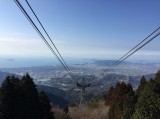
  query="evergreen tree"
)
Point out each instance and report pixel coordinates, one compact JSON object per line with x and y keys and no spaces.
{"x":144,"y":104}
{"x":116,"y":105}
{"x":129,"y":103}
{"x":19,"y":99}
{"x":9,"y":98}
{"x":148,"y":105}
{"x":30,"y":103}
{"x":109,"y":95}
{"x":157,"y":76}
{"x":45,"y":106}
{"x":141,"y":86}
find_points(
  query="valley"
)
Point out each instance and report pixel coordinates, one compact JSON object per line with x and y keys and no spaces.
{"x":56,"y":81}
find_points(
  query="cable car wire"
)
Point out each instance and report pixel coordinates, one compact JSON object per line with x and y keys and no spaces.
{"x":41,"y":35}
{"x":61,"y":60}
{"x":134,"y":49}
{"x":38,"y":31}
{"x":48,"y":35}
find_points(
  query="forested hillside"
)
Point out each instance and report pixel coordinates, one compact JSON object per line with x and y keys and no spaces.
{"x":143,"y":103}
{"x":19,"y":99}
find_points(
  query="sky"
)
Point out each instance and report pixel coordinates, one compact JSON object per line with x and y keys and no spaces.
{"x":101,"y":29}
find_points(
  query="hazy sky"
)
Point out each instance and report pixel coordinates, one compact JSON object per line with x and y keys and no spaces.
{"x":80,"y":28}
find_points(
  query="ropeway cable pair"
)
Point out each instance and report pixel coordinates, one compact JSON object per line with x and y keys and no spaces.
{"x":140,"y":45}
{"x":52,"y":47}
{"x":57,"y":54}
{"x":59,"y":57}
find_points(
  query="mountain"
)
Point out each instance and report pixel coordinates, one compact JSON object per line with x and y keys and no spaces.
{"x":54,"y":79}
{"x":55,"y":95}
{"x":106,"y":62}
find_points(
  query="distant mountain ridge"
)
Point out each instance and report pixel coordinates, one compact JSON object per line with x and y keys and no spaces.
{"x":106,"y":62}
{"x":71,"y":94}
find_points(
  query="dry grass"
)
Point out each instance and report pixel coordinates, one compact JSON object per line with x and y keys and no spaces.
{"x":59,"y":113}
{"x":85,"y":112}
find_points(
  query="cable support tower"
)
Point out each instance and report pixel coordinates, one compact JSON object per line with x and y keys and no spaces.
{"x":140,"y":45}
{"x":59,"y":56}
{"x":83,"y":84}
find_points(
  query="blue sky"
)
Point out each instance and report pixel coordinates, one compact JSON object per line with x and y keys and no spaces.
{"x":81,"y":28}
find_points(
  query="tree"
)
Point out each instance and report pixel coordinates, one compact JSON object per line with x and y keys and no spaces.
{"x":109,"y":95}
{"x":148,"y":105}
{"x":45,"y":106}
{"x":157,"y":76}
{"x":30,"y":103}
{"x":116,"y":100}
{"x":129,"y":103}
{"x":141,"y":86}
{"x":9,"y":98}
{"x":19,"y":99}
